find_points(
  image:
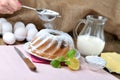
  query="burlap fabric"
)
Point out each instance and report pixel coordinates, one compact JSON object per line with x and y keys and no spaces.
{"x":73,"y":10}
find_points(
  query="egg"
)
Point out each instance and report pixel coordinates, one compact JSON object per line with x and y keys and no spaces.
{"x":9,"y":38}
{"x":20,"y":34}
{"x":6,"y":27}
{"x":0,"y":29}
{"x":30,"y":26}
{"x":31,"y":34}
{"x":19,"y":24}
{"x":1,"y":21}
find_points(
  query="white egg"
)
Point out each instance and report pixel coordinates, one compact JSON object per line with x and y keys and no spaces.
{"x":9,"y":38}
{"x":0,"y":29}
{"x":31,"y":34}
{"x":19,"y":24}
{"x":1,"y":21}
{"x":20,"y":34}
{"x":6,"y":27}
{"x":30,"y":26}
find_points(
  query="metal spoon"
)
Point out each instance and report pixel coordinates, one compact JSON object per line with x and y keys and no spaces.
{"x":44,"y":14}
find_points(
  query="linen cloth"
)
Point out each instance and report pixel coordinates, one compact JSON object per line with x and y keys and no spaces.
{"x":71,"y":11}
{"x":13,"y":68}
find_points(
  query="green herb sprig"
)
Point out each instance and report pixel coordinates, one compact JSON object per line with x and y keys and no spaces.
{"x":56,"y":63}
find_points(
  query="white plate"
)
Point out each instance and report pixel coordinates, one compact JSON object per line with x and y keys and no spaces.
{"x":26,"y":46}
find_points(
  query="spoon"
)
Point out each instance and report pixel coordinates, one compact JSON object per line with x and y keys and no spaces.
{"x":44,"y":14}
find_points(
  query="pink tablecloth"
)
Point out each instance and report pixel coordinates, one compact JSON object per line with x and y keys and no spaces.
{"x":12,"y":67}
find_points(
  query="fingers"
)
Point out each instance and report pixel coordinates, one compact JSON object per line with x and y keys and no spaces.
{"x":9,"y":6}
{"x":15,"y":4}
{"x":3,"y":5}
{"x":6,"y":10}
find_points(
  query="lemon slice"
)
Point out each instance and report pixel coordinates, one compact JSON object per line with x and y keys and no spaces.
{"x":74,"y":64}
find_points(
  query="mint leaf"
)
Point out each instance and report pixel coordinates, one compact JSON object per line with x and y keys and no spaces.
{"x":61,"y":59}
{"x":71,"y":53}
{"x":55,"y":63}
{"x":67,"y":62}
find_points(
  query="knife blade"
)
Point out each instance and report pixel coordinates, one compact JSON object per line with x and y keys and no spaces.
{"x":26,"y":60}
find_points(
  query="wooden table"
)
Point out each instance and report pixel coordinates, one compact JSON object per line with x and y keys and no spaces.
{"x":2,"y":43}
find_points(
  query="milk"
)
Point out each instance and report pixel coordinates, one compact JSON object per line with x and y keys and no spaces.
{"x":90,"y":45}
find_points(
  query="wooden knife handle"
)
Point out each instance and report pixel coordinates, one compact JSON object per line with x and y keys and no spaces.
{"x":30,"y":64}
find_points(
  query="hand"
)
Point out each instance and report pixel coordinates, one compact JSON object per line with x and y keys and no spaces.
{"x":9,"y":6}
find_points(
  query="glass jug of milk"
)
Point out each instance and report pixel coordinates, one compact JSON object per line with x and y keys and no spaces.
{"x":90,"y":40}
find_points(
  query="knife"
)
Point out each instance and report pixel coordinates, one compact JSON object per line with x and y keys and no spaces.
{"x":26,"y":60}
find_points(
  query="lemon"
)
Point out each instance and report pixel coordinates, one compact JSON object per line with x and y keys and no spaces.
{"x":74,"y":64}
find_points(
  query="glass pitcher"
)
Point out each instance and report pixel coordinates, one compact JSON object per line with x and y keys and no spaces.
{"x":90,"y":41}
